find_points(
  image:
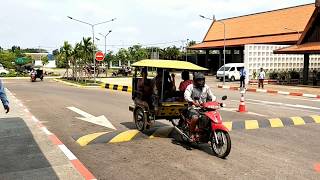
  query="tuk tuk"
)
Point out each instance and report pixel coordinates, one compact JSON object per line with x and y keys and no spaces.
{"x":158,"y":104}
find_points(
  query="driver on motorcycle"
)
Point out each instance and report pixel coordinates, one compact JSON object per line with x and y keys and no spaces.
{"x":196,"y":94}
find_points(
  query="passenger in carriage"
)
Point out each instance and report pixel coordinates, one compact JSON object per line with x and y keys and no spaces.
{"x":145,"y":87}
{"x":186,"y":81}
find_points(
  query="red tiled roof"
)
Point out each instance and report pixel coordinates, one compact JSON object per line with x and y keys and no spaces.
{"x":280,"y":39}
{"x":311,"y":47}
{"x":265,"y":27}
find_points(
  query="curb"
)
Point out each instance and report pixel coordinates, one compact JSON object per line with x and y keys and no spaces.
{"x":271,"y":91}
{"x":168,"y":131}
{"x":56,"y":141}
{"x":117,"y":87}
{"x":73,"y":84}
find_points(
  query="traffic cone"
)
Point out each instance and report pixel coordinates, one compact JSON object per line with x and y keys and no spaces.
{"x":242,"y":105}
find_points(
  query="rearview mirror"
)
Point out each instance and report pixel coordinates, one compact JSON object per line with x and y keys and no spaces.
{"x":224,"y":97}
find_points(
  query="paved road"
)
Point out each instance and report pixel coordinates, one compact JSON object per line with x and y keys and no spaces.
{"x":271,"y":153}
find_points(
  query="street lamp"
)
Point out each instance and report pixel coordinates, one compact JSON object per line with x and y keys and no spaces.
{"x":224,"y":43}
{"x":105,"y":47}
{"x":92,"y":27}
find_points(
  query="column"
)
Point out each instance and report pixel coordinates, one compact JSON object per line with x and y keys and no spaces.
{"x":220,"y":57}
{"x":206,"y":59}
{"x":232,"y":56}
{"x":306,"y":69}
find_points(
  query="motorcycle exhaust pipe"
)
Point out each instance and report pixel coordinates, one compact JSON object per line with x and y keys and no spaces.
{"x":182,"y":133}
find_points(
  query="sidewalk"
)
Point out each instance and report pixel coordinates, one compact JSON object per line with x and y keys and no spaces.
{"x":279,"y":88}
{"x":27,"y":148}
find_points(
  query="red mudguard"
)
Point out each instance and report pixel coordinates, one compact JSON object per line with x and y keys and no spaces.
{"x":219,"y":127}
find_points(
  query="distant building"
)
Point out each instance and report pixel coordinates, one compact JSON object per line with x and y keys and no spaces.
{"x":252,"y":39}
{"x":37,"y":59}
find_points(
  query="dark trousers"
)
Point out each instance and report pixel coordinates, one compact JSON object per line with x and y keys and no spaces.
{"x":261,"y":83}
{"x":242,"y":83}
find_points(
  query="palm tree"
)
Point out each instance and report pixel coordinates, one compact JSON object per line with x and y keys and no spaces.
{"x":77,"y":58}
{"x":66,"y":49}
{"x":87,"y":49}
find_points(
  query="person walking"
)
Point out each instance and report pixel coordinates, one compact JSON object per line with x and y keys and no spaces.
{"x":3,"y":97}
{"x":243,"y":74}
{"x":262,"y":75}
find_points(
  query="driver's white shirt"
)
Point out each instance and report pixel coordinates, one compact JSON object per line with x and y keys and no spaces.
{"x":205,"y":94}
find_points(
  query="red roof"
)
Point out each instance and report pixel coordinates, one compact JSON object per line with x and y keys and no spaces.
{"x":266,"y":27}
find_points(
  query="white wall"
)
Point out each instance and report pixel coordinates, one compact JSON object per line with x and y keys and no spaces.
{"x":51,"y":64}
{"x":260,"y":55}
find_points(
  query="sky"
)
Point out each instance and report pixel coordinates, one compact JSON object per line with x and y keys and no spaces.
{"x":44,"y":23}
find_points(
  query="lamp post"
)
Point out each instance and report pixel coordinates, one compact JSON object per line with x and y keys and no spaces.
{"x":224,"y":43}
{"x":105,"y":48}
{"x":92,"y":27}
{"x":187,"y":50}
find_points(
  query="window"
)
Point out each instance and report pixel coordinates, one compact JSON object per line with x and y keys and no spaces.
{"x":232,"y":69}
{"x":239,"y":68}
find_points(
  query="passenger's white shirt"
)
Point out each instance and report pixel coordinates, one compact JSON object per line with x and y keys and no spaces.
{"x":204,"y":95}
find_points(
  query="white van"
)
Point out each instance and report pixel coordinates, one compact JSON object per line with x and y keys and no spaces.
{"x":232,"y":71}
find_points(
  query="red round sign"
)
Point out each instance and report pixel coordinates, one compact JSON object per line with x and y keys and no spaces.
{"x":99,"y":56}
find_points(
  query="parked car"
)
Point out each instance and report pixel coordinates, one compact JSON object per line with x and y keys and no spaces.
{"x":232,"y":71}
{"x":2,"y":70}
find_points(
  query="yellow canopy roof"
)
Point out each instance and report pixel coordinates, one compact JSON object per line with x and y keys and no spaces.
{"x":168,"y":64}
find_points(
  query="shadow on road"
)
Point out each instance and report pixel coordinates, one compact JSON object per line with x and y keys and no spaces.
{"x":21,"y":157}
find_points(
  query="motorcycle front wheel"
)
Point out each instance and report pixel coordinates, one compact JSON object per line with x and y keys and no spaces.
{"x":221,"y":148}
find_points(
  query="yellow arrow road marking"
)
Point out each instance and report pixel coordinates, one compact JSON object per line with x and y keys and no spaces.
{"x":85,"y":140}
{"x":124,"y":136}
{"x":276,"y":122}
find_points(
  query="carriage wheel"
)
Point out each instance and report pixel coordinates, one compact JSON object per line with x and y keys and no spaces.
{"x":140,"y":119}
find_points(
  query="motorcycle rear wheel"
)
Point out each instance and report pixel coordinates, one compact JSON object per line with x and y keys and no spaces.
{"x":221,"y":148}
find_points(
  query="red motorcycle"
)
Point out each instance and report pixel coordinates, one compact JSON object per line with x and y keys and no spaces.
{"x":209,"y":128}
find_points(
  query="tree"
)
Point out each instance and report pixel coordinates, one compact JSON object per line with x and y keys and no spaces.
{"x":123,"y":55}
{"x":55,"y":52}
{"x":87,"y":49}
{"x":171,"y":53}
{"x":137,"y":53}
{"x":191,"y":43}
{"x":45,"y":60}
{"x":67,"y":50}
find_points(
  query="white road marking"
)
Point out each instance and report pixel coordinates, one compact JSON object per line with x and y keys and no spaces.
{"x":235,"y":110}
{"x":282,"y":107}
{"x":67,"y":152}
{"x":79,"y":111}
{"x":284,"y":104}
{"x":100,"y":120}
{"x":304,"y":99}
